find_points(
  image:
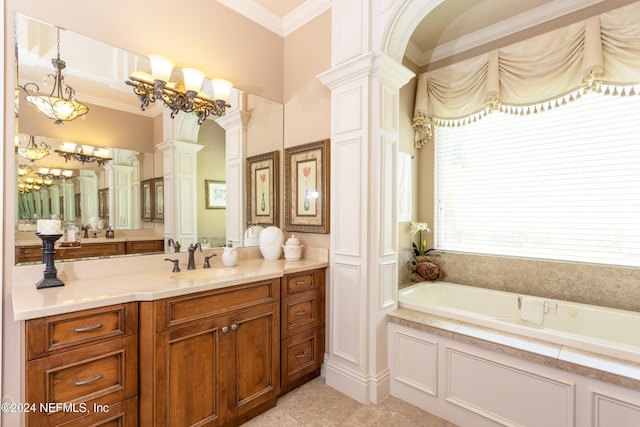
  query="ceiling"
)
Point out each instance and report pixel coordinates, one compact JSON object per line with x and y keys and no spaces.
{"x":452,"y":27}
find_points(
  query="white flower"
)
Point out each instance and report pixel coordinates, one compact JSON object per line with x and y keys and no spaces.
{"x":414,"y":227}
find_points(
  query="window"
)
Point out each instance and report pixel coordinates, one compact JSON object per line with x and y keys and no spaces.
{"x":562,"y":184}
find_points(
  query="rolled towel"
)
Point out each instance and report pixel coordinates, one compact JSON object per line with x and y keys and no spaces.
{"x":532,"y":310}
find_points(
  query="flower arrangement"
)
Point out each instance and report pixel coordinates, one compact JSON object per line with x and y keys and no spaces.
{"x":419,"y":228}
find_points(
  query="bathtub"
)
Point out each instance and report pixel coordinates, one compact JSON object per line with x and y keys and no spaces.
{"x":601,"y":330}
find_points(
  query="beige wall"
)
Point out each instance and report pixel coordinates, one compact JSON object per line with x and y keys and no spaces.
{"x":307,"y":102}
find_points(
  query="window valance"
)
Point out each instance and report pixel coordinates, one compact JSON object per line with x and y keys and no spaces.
{"x":601,"y":53}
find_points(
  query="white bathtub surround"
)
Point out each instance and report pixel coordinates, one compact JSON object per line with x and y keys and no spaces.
{"x":475,"y":362}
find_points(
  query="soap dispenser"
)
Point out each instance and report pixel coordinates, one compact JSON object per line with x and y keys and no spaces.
{"x":229,"y":255}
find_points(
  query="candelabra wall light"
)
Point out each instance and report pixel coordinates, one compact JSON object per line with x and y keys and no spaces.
{"x":33,"y":150}
{"x":84,"y":153}
{"x":55,"y":106}
{"x":183,"y":96}
{"x":54,"y":173}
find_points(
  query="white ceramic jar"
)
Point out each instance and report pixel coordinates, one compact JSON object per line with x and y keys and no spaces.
{"x":292,"y":249}
{"x":271,"y":240}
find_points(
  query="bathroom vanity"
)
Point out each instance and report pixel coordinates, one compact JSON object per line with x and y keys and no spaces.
{"x":200,"y":347}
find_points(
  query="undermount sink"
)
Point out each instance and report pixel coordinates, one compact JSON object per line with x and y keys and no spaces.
{"x":206,"y":273}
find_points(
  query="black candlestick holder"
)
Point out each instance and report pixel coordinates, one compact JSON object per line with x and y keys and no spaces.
{"x":50,"y":279}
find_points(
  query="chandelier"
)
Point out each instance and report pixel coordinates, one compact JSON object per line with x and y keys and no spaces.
{"x":34,"y":151}
{"x":184,"y":96}
{"x":83,"y":153}
{"x":55,"y":106}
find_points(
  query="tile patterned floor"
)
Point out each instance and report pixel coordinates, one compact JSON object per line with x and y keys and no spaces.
{"x":317,"y":404}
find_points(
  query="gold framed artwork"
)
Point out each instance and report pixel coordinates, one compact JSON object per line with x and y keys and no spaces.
{"x":262,"y":189}
{"x":215,"y":193}
{"x":306,"y":187}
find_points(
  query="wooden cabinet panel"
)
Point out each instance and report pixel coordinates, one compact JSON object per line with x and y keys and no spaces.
{"x":301,"y":354}
{"x":302,"y":328}
{"x":144,"y":246}
{"x":215,"y":358}
{"x":301,"y":282}
{"x":100,"y":374}
{"x":190,"y":375}
{"x":300,"y":313}
{"x":257,"y":363}
{"x":48,"y":335}
{"x":122,"y":414}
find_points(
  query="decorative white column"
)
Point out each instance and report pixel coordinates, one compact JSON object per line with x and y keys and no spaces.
{"x":121,"y":200}
{"x":88,"y":188}
{"x":179,"y":150}
{"x":234,"y":122}
{"x":363,"y":245}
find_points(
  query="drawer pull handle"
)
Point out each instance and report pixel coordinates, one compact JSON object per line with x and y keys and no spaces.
{"x":301,"y":313}
{"x":301,"y":282}
{"x":301,"y":355}
{"x":88,"y":328}
{"x":89,"y":381}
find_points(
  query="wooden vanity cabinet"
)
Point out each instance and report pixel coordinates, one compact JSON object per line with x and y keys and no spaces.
{"x":210,"y":358}
{"x":302,"y":327}
{"x":82,"y":367}
{"x":88,"y":249}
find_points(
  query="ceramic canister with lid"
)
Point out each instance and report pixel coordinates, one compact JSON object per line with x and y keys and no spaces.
{"x":292,"y":249}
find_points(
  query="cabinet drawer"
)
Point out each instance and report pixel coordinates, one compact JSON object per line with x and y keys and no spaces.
{"x":123,"y":414}
{"x":100,"y":374}
{"x":296,"y":283}
{"x":301,"y":354}
{"x":300,"y":312}
{"x":144,"y":246}
{"x":48,"y":335}
{"x":195,"y":307}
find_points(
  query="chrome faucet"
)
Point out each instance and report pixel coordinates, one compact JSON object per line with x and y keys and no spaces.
{"x":176,"y":245}
{"x":191,"y":265}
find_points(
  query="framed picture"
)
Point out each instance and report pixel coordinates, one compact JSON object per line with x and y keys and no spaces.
{"x":147,"y":201}
{"x":262,"y":189}
{"x":158,"y":199}
{"x":215,"y":193}
{"x":306,"y":187}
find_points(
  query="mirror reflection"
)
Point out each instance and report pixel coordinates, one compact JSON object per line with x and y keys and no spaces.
{"x":126,"y":193}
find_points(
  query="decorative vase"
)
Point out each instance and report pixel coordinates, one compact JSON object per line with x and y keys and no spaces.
{"x":292,"y":249}
{"x":271,"y":240}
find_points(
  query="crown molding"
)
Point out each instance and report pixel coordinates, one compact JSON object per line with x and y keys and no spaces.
{"x":537,"y":16}
{"x":284,"y":26}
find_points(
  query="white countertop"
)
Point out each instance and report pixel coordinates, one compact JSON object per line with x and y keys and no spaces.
{"x":92,"y":284}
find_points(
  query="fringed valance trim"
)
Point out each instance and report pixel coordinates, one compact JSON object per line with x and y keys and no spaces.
{"x":424,"y":125}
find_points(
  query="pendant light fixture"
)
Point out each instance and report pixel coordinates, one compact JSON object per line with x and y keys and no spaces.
{"x":55,"y":105}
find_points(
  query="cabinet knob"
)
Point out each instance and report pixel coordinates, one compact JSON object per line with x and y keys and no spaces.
{"x":225,"y":329}
{"x":234,"y":327}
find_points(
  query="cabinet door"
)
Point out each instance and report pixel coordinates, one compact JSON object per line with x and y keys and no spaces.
{"x":256,"y":365}
{"x":190,"y":374}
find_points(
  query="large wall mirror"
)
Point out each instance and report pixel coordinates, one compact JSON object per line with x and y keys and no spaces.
{"x":115,"y":194}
